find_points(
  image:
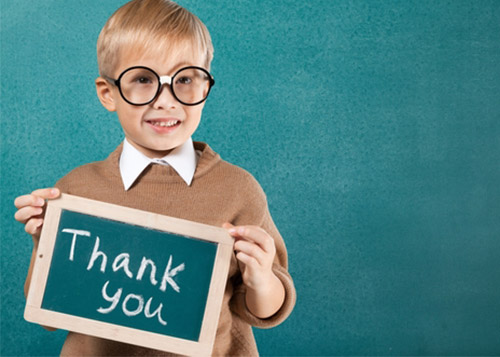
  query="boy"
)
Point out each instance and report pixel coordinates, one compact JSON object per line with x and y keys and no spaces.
{"x":154,"y":60}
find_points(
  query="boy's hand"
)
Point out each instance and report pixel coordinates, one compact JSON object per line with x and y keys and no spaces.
{"x":30,"y":212}
{"x":255,"y":251}
{"x":31,"y":209}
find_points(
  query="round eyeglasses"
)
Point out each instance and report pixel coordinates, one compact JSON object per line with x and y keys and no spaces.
{"x":141,"y":85}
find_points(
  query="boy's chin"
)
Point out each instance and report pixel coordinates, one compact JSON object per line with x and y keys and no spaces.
{"x":163,"y":148}
{"x":160,"y":152}
{"x":156,"y":151}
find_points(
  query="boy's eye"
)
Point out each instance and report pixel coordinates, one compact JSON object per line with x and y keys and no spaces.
{"x":184,"y":80}
{"x":144,"y":80}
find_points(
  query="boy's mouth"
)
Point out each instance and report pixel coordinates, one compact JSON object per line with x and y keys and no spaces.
{"x":163,"y":125}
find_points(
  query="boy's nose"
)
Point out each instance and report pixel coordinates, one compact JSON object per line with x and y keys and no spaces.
{"x":165,"y":98}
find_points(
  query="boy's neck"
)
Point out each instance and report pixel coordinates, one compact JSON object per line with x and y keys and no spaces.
{"x":152,"y":154}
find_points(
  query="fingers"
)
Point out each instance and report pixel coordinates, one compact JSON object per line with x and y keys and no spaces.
{"x":248,"y":252}
{"x":27,"y":212}
{"x":37,"y":197}
{"x":255,"y":253}
{"x":47,"y":193}
{"x":34,"y":226}
{"x":253,"y":245}
{"x":29,"y":200}
{"x":247,"y":260}
{"x":30,"y":209}
{"x":253,"y":234}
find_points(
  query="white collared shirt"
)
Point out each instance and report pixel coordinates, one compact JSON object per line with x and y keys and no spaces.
{"x":183,"y":160}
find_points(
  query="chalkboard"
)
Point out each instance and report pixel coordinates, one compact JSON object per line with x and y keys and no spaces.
{"x":129,"y":275}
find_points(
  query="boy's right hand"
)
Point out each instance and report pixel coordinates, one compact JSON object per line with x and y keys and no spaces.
{"x":31,"y":209}
{"x":30,"y":212}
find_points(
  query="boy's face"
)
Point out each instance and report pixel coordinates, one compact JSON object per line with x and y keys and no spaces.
{"x":145,"y":126}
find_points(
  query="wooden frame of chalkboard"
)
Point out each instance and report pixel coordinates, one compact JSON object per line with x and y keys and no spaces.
{"x":36,"y":312}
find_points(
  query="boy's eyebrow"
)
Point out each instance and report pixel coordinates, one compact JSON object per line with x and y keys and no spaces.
{"x":172,"y":70}
{"x":180,"y":65}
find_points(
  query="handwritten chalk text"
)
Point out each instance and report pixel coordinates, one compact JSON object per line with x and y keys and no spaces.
{"x":132,"y":304}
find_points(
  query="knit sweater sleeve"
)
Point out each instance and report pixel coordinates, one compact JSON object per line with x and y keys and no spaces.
{"x":256,"y":212}
{"x":76,"y":180}
{"x":63,"y":185}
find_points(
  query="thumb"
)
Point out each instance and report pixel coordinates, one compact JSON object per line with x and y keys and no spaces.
{"x":230,"y":229}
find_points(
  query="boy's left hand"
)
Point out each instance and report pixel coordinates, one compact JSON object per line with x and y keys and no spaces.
{"x":256,"y":250}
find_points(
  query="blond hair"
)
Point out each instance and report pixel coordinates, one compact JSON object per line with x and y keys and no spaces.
{"x":148,"y":26}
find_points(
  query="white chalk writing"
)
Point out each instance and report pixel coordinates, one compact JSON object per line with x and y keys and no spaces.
{"x":115,"y":299}
{"x":121,"y":261}
{"x":96,"y":253}
{"x":76,"y":233}
{"x":131,"y":304}
{"x":169,"y":274}
{"x":152,"y":276}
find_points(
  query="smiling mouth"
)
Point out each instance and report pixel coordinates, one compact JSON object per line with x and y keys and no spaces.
{"x":164,"y":123}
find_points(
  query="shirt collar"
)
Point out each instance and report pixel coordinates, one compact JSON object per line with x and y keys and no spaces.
{"x":183,"y":160}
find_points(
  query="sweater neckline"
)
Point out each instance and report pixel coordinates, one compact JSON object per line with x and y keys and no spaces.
{"x":206,"y":162}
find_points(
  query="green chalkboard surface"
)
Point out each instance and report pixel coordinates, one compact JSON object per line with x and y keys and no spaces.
{"x":80,"y":285}
{"x":147,"y":275}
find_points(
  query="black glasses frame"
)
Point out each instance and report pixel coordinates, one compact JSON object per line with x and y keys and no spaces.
{"x":116,"y":82}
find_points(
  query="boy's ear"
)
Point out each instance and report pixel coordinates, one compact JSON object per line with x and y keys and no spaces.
{"x":105,"y":93}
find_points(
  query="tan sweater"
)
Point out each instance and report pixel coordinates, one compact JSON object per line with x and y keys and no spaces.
{"x":220,"y":192}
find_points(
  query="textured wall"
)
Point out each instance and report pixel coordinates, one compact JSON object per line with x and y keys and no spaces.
{"x":374,"y":128}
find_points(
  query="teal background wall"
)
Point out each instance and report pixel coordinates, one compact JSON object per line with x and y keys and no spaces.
{"x":373,"y":127}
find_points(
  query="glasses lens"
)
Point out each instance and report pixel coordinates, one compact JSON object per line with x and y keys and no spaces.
{"x":139,"y":85}
{"x":191,"y":85}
